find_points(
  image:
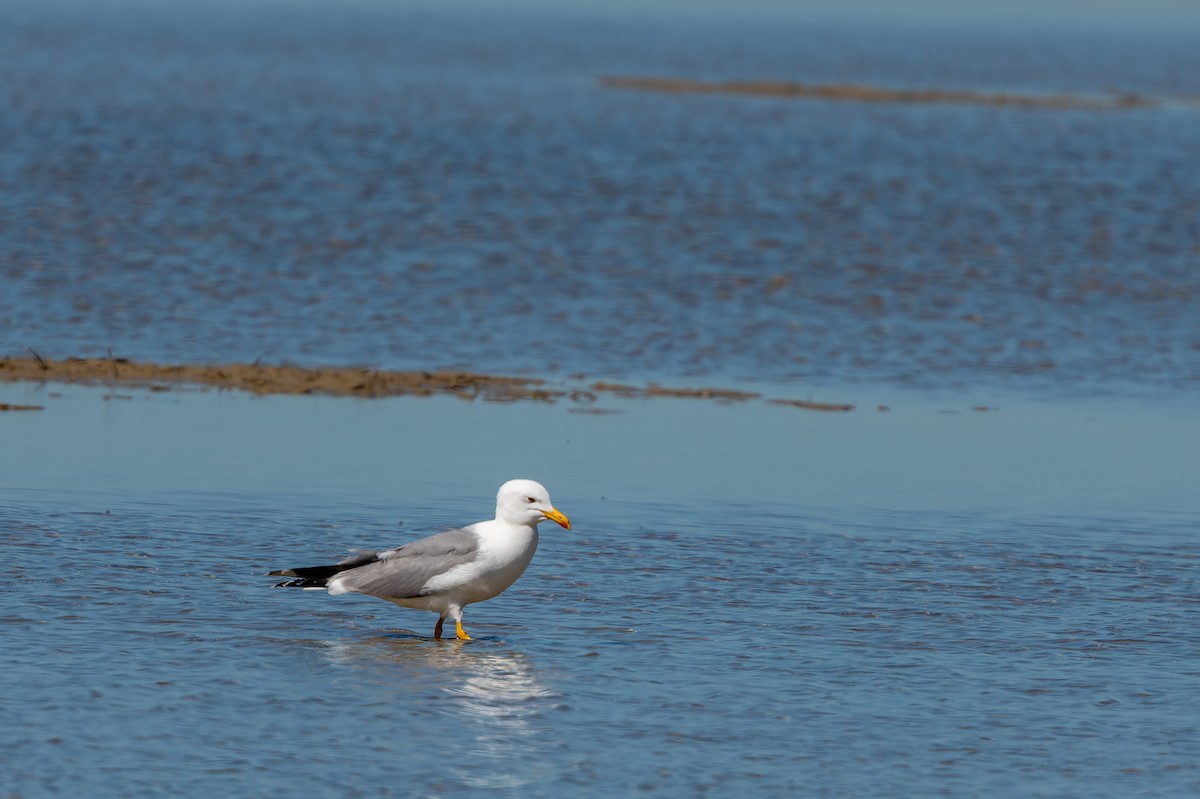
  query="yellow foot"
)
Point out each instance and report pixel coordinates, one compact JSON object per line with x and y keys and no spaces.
{"x":460,"y":632}
{"x":437,"y":629}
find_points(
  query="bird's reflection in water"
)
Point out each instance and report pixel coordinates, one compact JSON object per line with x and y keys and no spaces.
{"x":492,"y":687}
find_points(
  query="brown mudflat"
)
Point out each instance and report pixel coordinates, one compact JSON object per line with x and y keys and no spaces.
{"x":350,"y":381}
{"x":260,"y":379}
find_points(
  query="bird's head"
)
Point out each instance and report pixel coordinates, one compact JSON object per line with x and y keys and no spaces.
{"x":527,"y":502}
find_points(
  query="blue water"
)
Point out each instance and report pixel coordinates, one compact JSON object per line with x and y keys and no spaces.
{"x":404,"y":187}
{"x":915,"y":598}
{"x":754,"y":600}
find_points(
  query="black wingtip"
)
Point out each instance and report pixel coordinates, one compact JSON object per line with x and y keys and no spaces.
{"x":317,"y":576}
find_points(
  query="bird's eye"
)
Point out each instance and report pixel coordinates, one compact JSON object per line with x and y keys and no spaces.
{"x":531,"y":500}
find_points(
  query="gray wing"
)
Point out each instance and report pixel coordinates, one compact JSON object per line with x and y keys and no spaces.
{"x":402,"y":573}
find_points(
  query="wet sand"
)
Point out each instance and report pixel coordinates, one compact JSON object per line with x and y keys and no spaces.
{"x":877,"y":94}
{"x":351,"y":381}
{"x":263,"y":379}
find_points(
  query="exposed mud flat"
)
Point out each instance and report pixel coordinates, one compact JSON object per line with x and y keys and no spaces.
{"x":352,"y":381}
{"x":285,"y":379}
{"x":879,"y":94}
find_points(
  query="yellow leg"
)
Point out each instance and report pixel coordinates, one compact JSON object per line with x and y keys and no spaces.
{"x":461,"y":633}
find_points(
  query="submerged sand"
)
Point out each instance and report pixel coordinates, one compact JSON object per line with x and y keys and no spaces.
{"x":878,"y":94}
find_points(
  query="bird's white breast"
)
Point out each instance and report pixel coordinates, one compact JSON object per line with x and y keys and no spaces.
{"x":504,"y":553}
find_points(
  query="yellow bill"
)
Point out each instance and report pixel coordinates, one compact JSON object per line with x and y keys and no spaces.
{"x":556,"y":517}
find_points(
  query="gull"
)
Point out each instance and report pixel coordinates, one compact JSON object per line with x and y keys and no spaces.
{"x":448,"y":571}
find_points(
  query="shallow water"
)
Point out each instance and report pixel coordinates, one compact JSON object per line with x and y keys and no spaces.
{"x":411,"y":188}
{"x":928,"y":600}
{"x":755,"y":600}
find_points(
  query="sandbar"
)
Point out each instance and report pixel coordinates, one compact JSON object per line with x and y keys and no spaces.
{"x":351,"y":381}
